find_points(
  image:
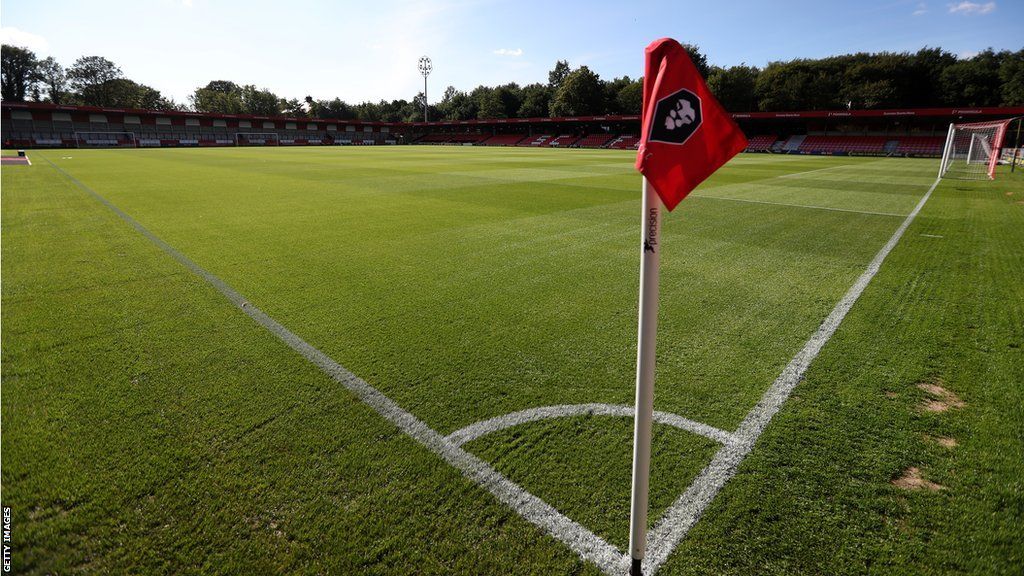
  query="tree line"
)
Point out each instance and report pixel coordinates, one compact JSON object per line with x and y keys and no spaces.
{"x":929,"y":77}
{"x":89,"y":80}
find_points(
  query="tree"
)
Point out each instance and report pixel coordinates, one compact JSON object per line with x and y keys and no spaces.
{"x":536,"y":101}
{"x":700,"y":61}
{"x":926,"y":67}
{"x":611,"y":94}
{"x":336,"y":109}
{"x":488,"y":103}
{"x":880,"y":80}
{"x":580,"y":94}
{"x":798,"y":85}
{"x":510,"y":97}
{"x":259,"y":101}
{"x":413,"y":111}
{"x":17,"y":73}
{"x":973,"y":81}
{"x":734,"y":87}
{"x":558,"y":74}
{"x":90,"y":71}
{"x":630,"y":98}
{"x":123,"y":93}
{"x":166,"y":103}
{"x":457,"y":105}
{"x":292,"y":107}
{"x":223,"y":86}
{"x":51,"y":75}
{"x":218,"y":96}
{"x":1011,"y":75}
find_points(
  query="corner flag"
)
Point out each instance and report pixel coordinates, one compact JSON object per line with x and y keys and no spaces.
{"x":686,"y":136}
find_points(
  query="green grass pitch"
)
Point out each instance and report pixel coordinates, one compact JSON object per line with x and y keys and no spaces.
{"x":149,"y":426}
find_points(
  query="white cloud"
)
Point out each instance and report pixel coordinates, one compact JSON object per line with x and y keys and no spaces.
{"x":507,"y":52}
{"x":14,"y":37}
{"x":967,"y":55}
{"x":186,"y":3}
{"x":967,"y":7}
{"x":922,"y":8}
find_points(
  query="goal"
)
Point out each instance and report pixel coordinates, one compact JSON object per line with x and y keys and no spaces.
{"x":105,"y":140}
{"x":972,"y":150}
{"x":257,"y":139}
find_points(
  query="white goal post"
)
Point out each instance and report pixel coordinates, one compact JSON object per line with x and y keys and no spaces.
{"x":105,"y":140}
{"x":257,"y":139}
{"x":973,"y":150}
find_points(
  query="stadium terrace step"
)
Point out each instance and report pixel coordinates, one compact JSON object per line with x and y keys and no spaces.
{"x":793,"y":144}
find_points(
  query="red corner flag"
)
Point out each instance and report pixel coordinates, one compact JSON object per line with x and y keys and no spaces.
{"x":685,"y":133}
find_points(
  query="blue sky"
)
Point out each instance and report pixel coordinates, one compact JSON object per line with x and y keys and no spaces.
{"x":368,"y":50}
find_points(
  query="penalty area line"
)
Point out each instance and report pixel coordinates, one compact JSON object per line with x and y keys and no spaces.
{"x":688,"y":508}
{"x":585,"y":543}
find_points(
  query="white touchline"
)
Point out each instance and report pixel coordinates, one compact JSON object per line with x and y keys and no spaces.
{"x":581,"y":540}
{"x":675,"y":522}
{"x":686,"y":510}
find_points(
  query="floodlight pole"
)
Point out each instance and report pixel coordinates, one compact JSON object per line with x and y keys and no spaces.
{"x":425,"y":67}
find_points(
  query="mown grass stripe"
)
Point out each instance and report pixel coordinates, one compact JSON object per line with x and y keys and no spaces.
{"x":581,"y":540}
{"x":685,"y":512}
{"x":807,"y":206}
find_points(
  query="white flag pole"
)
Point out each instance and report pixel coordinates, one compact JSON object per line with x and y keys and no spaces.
{"x":647,"y":333}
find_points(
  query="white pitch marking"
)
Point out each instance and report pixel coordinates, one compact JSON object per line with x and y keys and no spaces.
{"x":588,"y":545}
{"x":808,"y":206}
{"x":485,"y":427}
{"x":795,"y":174}
{"x":931,"y":236}
{"x":680,"y":517}
{"x":687,"y":509}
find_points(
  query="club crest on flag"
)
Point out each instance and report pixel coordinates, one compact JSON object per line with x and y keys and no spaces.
{"x":678,"y":115}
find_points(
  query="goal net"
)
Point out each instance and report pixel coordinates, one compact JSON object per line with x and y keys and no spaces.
{"x":972,"y":151}
{"x":105,"y":140}
{"x":256,"y":139}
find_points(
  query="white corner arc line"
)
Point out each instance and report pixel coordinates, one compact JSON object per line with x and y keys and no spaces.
{"x":585,"y":543}
{"x":687,"y":509}
{"x":485,"y":427}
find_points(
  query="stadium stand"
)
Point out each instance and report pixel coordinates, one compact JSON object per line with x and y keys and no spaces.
{"x":920,"y":145}
{"x":467,"y":138}
{"x":435,"y":139}
{"x":503,"y":140}
{"x":918,"y":132}
{"x":535,"y":140}
{"x":563,"y":141}
{"x":843,"y":144}
{"x":761,"y":143}
{"x":625,"y":142}
{"x":595,"y":140}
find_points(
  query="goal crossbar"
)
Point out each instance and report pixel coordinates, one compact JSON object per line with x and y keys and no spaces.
{"x":972,"y":150}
